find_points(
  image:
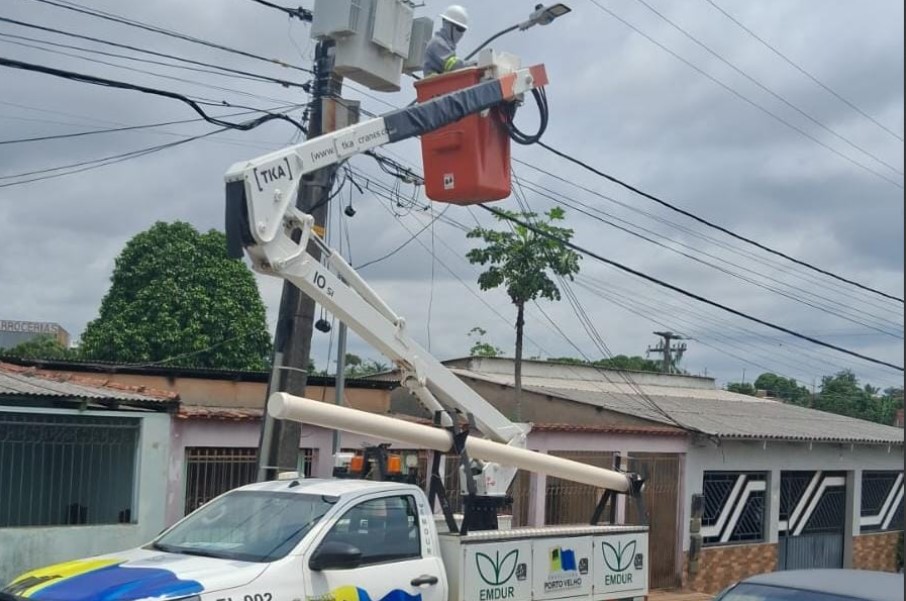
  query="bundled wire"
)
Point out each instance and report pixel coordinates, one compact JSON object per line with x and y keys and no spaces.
{"x":100,"y":81}
{"x":509,"y":115}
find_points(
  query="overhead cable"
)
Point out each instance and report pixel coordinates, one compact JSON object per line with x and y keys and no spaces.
{"x":303,"y":14}
{"x":765,"y":88}
{"x":802,"y":70}
{"x":264,"y":78}
{"x":73,"y":6}
{"x":193,"y":82}
{"x":713,"y":225}
{"x":808,"y":276}
{"x":841,"y":311}
{"x":91,"y":79}
{"x":685,"y":292}
{"x":748,"y":100}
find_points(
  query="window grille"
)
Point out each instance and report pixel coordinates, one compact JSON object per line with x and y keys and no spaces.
{"x":212,"y":471}
{"x":734,"y":507}
{"x":64,"y":470}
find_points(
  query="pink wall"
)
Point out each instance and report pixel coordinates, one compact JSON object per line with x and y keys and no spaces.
{"x":213,"y":433}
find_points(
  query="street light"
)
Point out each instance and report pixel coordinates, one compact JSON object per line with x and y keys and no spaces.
{"x":542,"y":15}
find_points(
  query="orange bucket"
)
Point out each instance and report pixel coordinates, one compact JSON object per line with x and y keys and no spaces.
{"x":466,"y":162}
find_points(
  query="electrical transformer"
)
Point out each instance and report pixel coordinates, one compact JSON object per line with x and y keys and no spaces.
{"x":373,"y":39}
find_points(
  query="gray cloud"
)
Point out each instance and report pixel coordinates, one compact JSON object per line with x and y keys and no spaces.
{"x":617,"y":101}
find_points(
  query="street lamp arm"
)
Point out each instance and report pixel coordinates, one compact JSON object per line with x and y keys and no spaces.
{"x":491,"y":39}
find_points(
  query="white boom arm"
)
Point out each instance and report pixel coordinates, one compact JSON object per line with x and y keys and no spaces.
{"x":262,"y":219}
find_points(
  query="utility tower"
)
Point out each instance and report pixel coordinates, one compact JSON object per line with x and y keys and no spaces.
{"x":671,"y":354}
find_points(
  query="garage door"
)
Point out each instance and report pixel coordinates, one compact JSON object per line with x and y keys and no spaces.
{"x":812,"y":520}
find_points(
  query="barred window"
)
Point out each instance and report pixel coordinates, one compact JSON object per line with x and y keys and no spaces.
{"x":62,"y":470}
{"x":212,"y":471}
{"x":734,"y":507}
{"x":882,"y":501}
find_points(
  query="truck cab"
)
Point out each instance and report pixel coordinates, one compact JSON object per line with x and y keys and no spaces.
{"x":348,"y":540}
{"x":337,"y":540}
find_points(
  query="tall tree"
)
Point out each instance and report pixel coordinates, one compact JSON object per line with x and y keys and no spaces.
{"x":523,"y":262}
{"x":176,"y":297}
{"x":842,"y":393}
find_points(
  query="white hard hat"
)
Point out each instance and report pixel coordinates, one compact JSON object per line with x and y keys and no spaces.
{"x":457,"y":15}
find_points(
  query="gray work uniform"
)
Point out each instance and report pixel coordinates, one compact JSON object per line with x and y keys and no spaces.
{"x":440,"y":55}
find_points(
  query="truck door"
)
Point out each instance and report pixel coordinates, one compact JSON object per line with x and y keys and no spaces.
{"x":377,"y":552}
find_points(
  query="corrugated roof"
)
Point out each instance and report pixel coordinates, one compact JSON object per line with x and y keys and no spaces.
{"x":19,"y":381}
{"x":102,"y":367}
{"x":714,"y":412}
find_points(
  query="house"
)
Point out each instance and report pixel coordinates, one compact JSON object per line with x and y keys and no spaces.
{"x":753,"y":485}
{"x":81,"y":466}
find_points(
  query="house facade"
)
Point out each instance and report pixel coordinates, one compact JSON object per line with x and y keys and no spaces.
{"x":81,"y":467}
{"x":760,"y":485}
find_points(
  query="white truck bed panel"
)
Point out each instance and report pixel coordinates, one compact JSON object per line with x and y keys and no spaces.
{"x":598,"y":563}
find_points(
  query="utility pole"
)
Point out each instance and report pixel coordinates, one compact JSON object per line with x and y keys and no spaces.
{"x":671,"y":354}
{"x":278,"y":448}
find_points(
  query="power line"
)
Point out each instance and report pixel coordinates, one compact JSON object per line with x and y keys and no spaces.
{"x":775,"y":264}
{"x":842,"y":313}
{"x":747,"y":100}
{"x":685,"y":292}
{"x":263,"y":78}
{"x":148,"y":61}
{"x":299,"y":13}
{"x":802,"y":70}
{"x":762,"y":86}
{"x":713,"y":225}
{"x":95,"y":132}
{"x":143,"y":71}
{"x":91,"y":79}
{"x":108,"y":16}
{"x":82,"y":166}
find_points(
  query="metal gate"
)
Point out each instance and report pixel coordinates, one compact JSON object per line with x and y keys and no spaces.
{"x":662,"y":474}
{"x":811,"y":551}
{"x":813,"y":518}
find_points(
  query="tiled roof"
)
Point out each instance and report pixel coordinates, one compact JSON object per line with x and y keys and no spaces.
{"x":712,"y":412}
{"x":20,"y":381}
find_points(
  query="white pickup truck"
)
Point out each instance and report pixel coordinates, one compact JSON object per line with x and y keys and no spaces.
{"x":348,"y":540}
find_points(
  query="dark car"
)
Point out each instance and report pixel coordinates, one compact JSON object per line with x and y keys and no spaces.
{"x":817,"y":585}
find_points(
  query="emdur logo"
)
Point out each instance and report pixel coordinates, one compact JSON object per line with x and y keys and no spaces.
{"x":619,"y":559}
{"x":497,"y":571}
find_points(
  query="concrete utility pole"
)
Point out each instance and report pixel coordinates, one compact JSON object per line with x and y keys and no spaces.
{"x":278,"y":448}
{"x":671,"y":354}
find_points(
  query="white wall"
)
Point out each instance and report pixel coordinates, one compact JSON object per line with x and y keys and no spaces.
{"x":776,"y":457}
{"x":23,"y":549}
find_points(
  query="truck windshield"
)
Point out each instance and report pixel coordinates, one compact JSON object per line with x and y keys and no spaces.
{"x":254,"y":526}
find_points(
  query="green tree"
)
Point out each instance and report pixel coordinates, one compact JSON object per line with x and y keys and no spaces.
{"x":617,"y":362}
{"x":741,"y":388}
{"x":522,"y":261}
{"x":356,"y":367}
{"x":176,"y":297}
{"x":44,"y":346}
{"x":784,"y":388}
{"x":480,"y":348}
{"x":843,"y":394}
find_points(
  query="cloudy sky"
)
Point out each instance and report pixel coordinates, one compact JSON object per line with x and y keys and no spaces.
{"x":757,"y":147}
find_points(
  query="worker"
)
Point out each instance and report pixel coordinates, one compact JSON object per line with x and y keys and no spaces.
{"x":440,"y":55}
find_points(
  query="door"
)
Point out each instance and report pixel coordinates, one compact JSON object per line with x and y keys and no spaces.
{"x":395,"y":562}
